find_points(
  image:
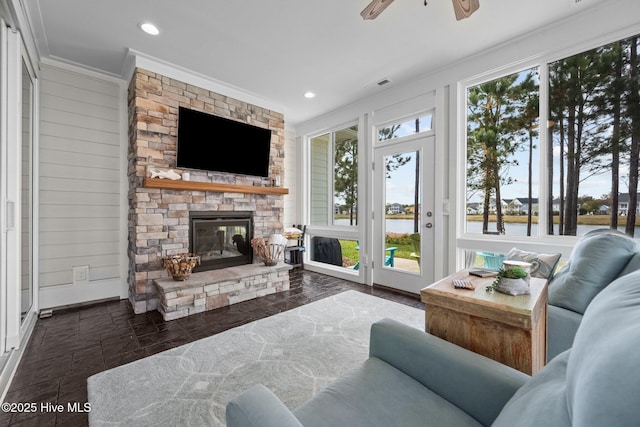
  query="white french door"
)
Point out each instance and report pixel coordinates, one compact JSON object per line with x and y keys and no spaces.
{"x":17,"y":91}
{"x":403,"y":188}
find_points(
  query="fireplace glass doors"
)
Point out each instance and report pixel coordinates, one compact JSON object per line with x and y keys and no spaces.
{"x":222,"y":239}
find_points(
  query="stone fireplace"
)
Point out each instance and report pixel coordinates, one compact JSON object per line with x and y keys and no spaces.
{"x":222,"y":239}
{"x":159,"y":218}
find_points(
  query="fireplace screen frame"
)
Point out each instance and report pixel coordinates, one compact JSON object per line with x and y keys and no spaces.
{"x":222,"y":219}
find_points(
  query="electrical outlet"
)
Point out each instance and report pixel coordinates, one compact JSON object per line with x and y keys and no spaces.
{"x":80,"y":274}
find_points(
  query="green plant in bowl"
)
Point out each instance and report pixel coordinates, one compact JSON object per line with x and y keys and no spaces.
{"x":507,"y":273}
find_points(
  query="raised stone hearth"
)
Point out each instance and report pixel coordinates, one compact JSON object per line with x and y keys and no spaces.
{"x":159,"y":214}
{"x":213,"y":289}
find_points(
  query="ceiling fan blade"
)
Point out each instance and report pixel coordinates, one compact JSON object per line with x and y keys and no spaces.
{"x":375,"y":8}
{"x":465,"y":8}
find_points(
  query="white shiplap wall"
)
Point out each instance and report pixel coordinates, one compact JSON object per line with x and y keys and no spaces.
{"x":80,"y":176}
{"x":320,"y":201}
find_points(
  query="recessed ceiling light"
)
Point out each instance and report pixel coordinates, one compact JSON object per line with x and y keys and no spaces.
{"x":149,"y":28}
{"x":309,"y":95}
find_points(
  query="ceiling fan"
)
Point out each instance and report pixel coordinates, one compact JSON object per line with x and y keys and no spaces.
{"x":463,"y":8}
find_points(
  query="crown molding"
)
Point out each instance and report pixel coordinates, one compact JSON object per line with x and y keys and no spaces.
{"x":136,"y":59}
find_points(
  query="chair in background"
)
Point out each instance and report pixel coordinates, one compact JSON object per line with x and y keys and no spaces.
{"x":492,"y":261}
{"x":294,"y":253}
{"x":415,"y":241}
{"x":326,"y":250}
{"x":389,"y":260}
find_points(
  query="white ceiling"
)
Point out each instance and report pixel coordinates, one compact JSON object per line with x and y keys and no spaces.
{"x":279,"y":49}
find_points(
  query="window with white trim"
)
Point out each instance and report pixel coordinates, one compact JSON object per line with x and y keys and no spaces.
{"x":589,"y":144}
{"x":334,"y":178}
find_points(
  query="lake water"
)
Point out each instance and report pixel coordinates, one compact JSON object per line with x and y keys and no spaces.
{"x":521,"y":229}
{"x":406,"y":226}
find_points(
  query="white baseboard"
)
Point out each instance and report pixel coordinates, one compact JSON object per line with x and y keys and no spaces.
{"x":61,"y":295}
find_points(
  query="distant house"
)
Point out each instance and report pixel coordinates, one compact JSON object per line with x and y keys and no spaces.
{"x":395,"y":208}
{"x":514,"y":206}
{"x":623,"y":204}
{"x":492,"y":205}
{"x":474,"y":208}
{"x":520,"y":205}
{"x":343,"y":209}
{"x":410,"y":210}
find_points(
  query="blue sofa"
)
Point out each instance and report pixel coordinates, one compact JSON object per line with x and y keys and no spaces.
{"x":415,"y":379}
{"x":600,"y":257}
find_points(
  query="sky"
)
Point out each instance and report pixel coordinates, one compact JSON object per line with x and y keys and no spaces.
{"x":399,"y":187}
{"x":401,"y":183}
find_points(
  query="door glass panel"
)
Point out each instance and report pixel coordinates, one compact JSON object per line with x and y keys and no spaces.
{"x":26,"y":289}
{"x":402,"y":211}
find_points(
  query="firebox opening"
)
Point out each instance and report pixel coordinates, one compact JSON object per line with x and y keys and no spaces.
{"x":222,"y":239}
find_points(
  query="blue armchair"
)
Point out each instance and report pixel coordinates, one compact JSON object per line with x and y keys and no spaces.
{"x":415,"y":379}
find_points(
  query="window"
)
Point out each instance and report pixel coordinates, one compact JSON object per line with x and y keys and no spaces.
{"x":594,"y":117}
{"x":409,"y":127}
{"x":334,"y":178}
{"x":591,"y":146}
{"x":344,"y":253}
{"x":502,"y":155}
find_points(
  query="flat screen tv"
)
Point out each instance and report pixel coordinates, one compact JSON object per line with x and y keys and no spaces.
{"x":217,"y":144}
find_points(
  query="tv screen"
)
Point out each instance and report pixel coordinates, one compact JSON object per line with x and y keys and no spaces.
{"x":213,"y":143}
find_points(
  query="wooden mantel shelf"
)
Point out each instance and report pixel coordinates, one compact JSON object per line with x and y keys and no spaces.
{"x":212,"y":186}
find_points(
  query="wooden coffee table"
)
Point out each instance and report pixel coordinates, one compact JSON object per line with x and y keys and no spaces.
{"x":509,"y":329}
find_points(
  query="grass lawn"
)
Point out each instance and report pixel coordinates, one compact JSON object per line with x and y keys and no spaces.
{"x":400,"y":241}
{"x":604,"y":220}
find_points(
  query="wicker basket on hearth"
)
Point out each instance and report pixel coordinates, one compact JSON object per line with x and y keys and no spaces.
{"x":270,"y":251}
{"x":180,"y":266}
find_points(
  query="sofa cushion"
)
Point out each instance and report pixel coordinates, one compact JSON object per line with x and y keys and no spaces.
{"x":541,"y":401}
{"x":542,"y":265}
{"x":562,"y":325}
{"x":603,"y":382}
{"x":596,"y":260}
{"x":377,"y":394}
{"x":632,"y":265}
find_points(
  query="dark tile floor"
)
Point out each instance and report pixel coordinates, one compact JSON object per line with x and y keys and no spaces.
{"x":73,"y":344}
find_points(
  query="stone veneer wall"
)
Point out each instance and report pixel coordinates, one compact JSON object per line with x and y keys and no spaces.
{"x":159,"y":218}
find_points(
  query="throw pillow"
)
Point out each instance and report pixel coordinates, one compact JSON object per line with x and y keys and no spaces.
{"x":542,"y":265}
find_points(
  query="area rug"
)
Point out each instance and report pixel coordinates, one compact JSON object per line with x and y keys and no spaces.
{"x":295,"y":353}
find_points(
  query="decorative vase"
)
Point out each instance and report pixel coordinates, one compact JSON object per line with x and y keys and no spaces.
{"x":180,"y":266}
{"x":513,"y":286}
